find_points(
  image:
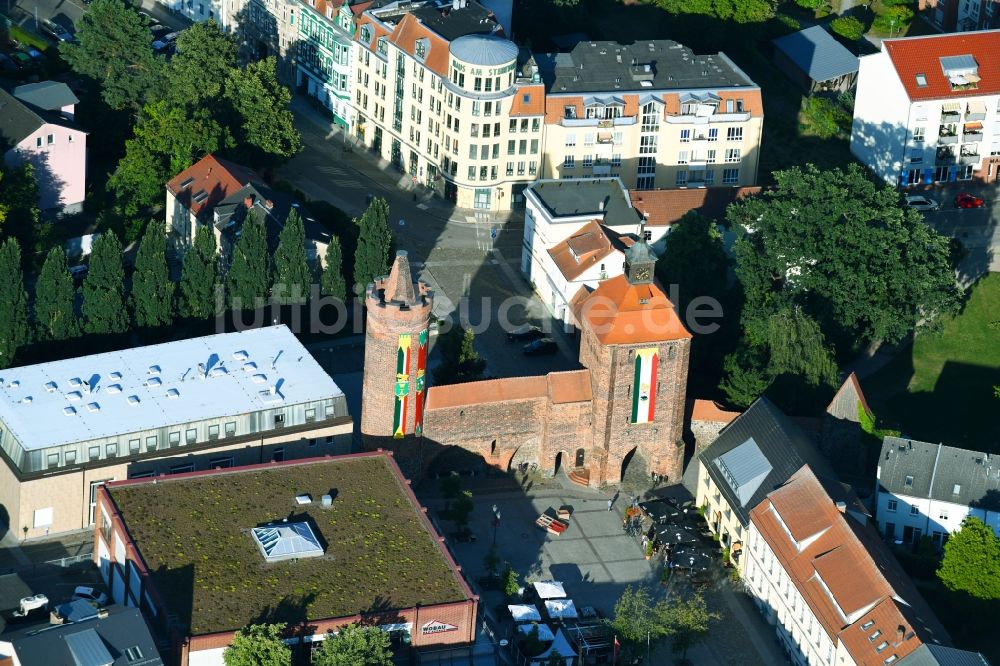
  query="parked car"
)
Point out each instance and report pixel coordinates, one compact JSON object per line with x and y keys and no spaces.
{"x":32,"y":52}
{"x":541,"y":347}
{"x":920,"y":202}
{"x":148,"y":18}
{"x":55,"y":31}
{"x":6,"y":64}
{"x":164,"y":42}
{"x":85,"y":593}
{"x":158,"y":31}
{"x":967,"y":200}
{"x":23,"y":60}
{"x":525,"y":333}
{"x":79,"y":271}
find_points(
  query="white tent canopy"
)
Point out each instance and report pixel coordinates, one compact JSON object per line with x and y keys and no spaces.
{"x":549,"y":589}
{"x":523,"y":613}
{"x":544,"y":632}
{"x":561,"y":647}
{"x":561,"y":609}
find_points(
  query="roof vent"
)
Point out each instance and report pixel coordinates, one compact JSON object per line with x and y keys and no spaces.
{"x":115,"y":375}
{"x":93,"y":407}
{"x":240,"y":355}
{"x":326,"y":501}
{"x":173,"y":393}
{"x":50,"y":387}
{"x":259,"y":378}
{"x":153,"y":370}
{"x":153,"y":381}
{"x":113,"y":389}
{"x":74,"y":382}
{"x":69,"y":411}
{"x":304,"y":498}
{"x":73,"y":396}
{"x":218,"y":372}
{"x":133,"y":400}
{"x":27,"y":399}
{"x":249,"y":367}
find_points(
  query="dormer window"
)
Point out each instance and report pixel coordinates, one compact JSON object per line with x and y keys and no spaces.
{"x":962,"y":71}
{"x":908,"y":481}
{"x":420,"y":48}
{"x":329,"y":12}
{"x":366,"y":34}
{"x":383,"y":45}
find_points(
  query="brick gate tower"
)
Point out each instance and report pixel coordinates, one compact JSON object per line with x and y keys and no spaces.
{"x":393,"y":393}
{"x":636,"y":349}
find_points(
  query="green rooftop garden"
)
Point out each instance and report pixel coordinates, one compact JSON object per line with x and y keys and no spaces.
{"x":194,"y":535}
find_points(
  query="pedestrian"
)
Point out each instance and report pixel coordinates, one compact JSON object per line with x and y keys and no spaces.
{"x":610,"y":502}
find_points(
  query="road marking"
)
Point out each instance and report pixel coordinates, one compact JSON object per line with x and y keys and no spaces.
{"x":422,"y":206}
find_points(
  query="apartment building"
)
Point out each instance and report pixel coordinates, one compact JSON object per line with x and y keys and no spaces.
{"x":67,"y":427}
{"x":651,"y":113}
{"x":927,"y":109}
{"x":323,"y":55}
{"x":831,"y":588}
{"x":928,"y":489}
{"x":961,"y":15}
{"x":266,"y":28}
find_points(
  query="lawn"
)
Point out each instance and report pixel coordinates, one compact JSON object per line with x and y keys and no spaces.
{"x":193,"y":535}
{"x":942,"y":390}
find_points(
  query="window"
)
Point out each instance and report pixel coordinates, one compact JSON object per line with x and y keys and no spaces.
{"x":511,"y":147}
{"x":918,"y":134}
{"x":616,"y":159}
{"x":682,"y":178}
{"x":647,"y":144}
{"x":734,"y":134}
{"x":278,"y":454}
{"x":891,"y":505}
{"x":52,"y":460}
{"x":732,"y":154}
{"x":524,"y":124}
{"x":535,"y":124}
{"x":174,"y":438}
{"x":213,"y":431}
{"x":682,"y":157}
{"x":38,"y":142}
{"x":534,"y":146}
{"x":510,"y":168}
{"x":532,"y":168}
{"x":520,"y":168}
{"x":111,"y":450}
{"x":570,"y":140}
{"x":133,"y":653}
{"x":881,"y":646}
{"x":220,"y":463}
{"x":133,"y":446}
{"x":151,"y":443}
{"x":730,"y":176}
{"x":50,"y":139}
{"x":914,"y":510}
{"x":512,"y":127}
{"x":70,"y":457}
{"x":182,"y":469}
{"x":685,"y":135}
{"x":191,"y":435}
{"x":890,"y":659}
{"x":477,"y":84}
{"x":569,"y":162}
{"x":94,"y":453}
{"x":230,"y":428}
{"x":709,"y":176}
{"x":956,"y":489}
{"x":522,"y":147}
{"x":942,"y":515}
{"x":588,"y":139}
{"x":588,"y":161}
{"x":867,"y":625}
{"x":908,"y":482}
{"x":310,"y":417}
{"x":279,"y":420}
{"x":482,"y":173}
{"x":473,"y":151}
{"x":472,"y":173}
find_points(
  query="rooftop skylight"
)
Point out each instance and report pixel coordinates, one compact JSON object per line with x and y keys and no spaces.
{"x":286,"y":541}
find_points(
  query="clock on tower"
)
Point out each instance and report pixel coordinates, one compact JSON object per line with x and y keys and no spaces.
{"x":640,"y":261}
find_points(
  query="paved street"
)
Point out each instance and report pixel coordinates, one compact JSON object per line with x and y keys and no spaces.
{"x":67,"y":12}
{"x":978,"y":229}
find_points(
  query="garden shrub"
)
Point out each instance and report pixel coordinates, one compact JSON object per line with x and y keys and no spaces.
{"x":848,"y":27}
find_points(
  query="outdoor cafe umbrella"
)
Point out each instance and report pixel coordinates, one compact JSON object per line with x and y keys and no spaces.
{"x":659,"y":511}
{"x":676,"y":534}
{"x":561,"y":609}
{"x":549,"y":589}
{"x":524,"y":613}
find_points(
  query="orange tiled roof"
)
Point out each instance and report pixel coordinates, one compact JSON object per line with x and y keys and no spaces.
{"x":489,"y":390}
{"x":708,"y":410}
{"x":405,"y":36}
{"x":218,"y":178}
{"x":843,"y":571}
{"x":922,"y":55}
{"x":572,"y":386}
{"x":529,"y":101}
{"x":585,"y":248}
{"x":621,"y":313}
{"x":664,"y":207}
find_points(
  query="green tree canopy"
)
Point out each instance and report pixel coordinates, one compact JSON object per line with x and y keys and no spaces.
{"x":258,"y":645}
{"x":848,"y":27}
{"x":846,"y":251}
{"x":198,"y":71}
{"x":354,"y":645}
{"x":292,"y":277}
{"x":249,"y":273}
{"x":637,"y":617}
{"x":332,"y":282}
{"x":460,"y":362}
{"x":374,"y":243}
{"x":55,"y":314}
{"x":14,"y":331}
{"x":688,"y":620}
{"x":167,"y":141}
{"x":971,"y":561}
{"x":113,"y":47}
{"x":199,"y":276}
{"x":19,"y":213}
{"x":694,"y":260}
{"x":103,"y":288}
{"x":263,"y":107}
{"x":152,"y":290}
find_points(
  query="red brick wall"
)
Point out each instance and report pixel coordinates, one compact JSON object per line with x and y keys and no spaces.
{"x":515,"y":426}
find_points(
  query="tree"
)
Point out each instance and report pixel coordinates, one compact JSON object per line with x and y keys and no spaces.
{"x":694,"y":260}
{"x":199,"y":276}
{"x":55,"y":314}
{"x":14,"y":331}
{"x":152,"y":290}
{"x":971,"y":562}
{"x":688,"y":621}
{"x":374,"y":242}
{"x":198,"y":72}
{"x":19,"y":213}
{"x":263,"y":108}
{"x":638,"y":619}
{"x":461,"y":509}
{"x":292,"y":276}
{"x":510,"y":581}
{"x":258,"y":645}
{"x":354,"y":645}
{"x":167,"y":141}
{"x":249,"y":272}
{"x":112,"y":47}
{"x":848,"y":27}
{"x":103,"y":288}
{"x":841,"y":247}
{"x":460,"y":362}
{"x":332,"y":282}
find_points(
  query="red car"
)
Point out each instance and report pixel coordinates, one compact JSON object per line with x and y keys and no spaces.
{"x":966,"y":200}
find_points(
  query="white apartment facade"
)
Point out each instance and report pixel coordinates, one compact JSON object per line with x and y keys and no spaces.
{"x":323,"y":67}
{"x":926,"y":489}
{"x":927,"y":110}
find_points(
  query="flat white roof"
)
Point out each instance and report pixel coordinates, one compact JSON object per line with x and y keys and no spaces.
{"x":108,"y":395}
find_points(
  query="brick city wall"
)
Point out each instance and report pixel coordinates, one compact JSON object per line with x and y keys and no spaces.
{"x":568,"y":427}
{"x":496,"y":431}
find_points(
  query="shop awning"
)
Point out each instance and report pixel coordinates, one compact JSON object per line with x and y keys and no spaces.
{"x":544,"y":633}
{"x":561,"y":609}
{"x":549,"y":589}
{"x":524,"y":613}
{"x":951,"y":107}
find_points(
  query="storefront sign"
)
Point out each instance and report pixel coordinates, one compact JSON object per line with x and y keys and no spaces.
{"x":437,"y":627}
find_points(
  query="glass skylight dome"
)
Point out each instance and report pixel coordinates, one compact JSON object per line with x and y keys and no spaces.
{"x":286,"y":541}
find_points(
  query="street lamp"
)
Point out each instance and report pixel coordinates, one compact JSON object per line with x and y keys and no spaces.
{"x":496,"y":524}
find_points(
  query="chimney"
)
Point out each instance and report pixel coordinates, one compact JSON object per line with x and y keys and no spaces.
{"x":841,"y":506}
{"x":209,"y":172}
{"x":248,"y":202}
{"x":900,"y":632}
{"x":600,"y":205}
{"x":268,"y":204}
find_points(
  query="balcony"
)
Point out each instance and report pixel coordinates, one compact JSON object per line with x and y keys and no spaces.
{"x":947,"y":136}
{"x":945,"y":156}
{"x":598,"y":122}
{"x":969,"y":158}
{"x":975,"y":111}
{"x":972,"y":137}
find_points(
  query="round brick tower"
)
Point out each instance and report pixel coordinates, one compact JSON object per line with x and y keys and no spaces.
{"x":396,"y":340}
